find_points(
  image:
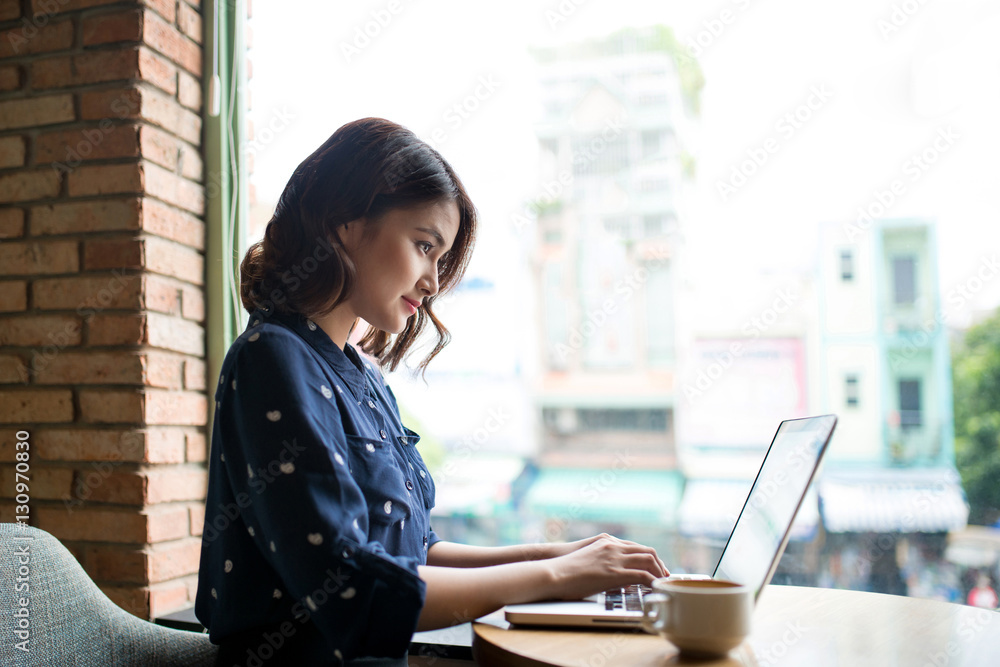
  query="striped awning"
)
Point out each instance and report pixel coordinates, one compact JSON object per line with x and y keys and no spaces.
{"x":891,"y":501}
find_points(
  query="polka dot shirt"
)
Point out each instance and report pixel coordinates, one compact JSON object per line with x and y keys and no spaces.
{"x":318,"y":501}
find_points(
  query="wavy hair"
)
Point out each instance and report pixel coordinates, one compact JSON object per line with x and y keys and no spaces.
{"x":365,"y":169}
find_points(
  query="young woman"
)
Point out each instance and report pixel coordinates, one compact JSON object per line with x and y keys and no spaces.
{"x":317,"y":546}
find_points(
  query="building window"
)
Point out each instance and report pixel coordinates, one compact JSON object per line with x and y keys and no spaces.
{"x":904,"y":280}
{"x":591,"y":419}
{"x":851,"y":390}
{"x":847,"y":265}
{"x":650,"y":143}
{"x":910,"y":413}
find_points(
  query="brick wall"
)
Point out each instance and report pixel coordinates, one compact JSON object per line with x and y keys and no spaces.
{"x":102,"y":345}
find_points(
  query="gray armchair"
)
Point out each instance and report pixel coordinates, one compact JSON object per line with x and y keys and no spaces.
{"x":70,"y":621}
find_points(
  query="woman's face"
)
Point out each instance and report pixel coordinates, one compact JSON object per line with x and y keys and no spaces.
{"x":398,"y":267}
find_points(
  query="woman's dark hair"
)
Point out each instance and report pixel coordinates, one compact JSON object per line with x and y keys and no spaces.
{"x":366,"y":169}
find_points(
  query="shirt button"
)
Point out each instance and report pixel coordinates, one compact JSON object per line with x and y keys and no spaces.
{"x":382,"y":433}
{"x":425,"y":540}
{"x":371,"y":404}
{"x":409,"y":485}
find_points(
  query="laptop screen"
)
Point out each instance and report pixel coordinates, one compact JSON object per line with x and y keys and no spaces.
{"x":761,"y":532}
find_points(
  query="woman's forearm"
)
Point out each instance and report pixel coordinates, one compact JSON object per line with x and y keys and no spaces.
{"x":461,"y":595}
{"x":452,"y":554}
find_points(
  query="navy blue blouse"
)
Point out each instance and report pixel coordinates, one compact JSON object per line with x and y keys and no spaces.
{"x":318,"y":501}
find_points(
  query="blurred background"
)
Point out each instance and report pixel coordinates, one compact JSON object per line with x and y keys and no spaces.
{"x":697,"y":220}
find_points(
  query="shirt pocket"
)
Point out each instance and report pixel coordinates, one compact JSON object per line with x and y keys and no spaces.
{"x":377,"y":472}
{"x":418,"y":469}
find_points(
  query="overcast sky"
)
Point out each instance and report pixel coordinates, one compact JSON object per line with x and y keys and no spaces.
{"x":884,"y":86}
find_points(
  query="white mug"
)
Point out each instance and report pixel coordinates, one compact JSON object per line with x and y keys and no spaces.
{"x":703,"y":617}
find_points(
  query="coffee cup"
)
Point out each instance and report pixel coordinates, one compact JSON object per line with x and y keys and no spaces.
{"x":701,"y":617}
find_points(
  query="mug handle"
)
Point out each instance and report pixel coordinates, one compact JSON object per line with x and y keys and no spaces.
{"x":654,"y":613}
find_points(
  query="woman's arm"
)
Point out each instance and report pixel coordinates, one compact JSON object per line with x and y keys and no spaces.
{"x":461,"y":594}
{"x":453,"y":554}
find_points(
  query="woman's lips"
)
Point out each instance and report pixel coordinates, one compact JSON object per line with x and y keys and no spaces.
{"x":412,"y":304}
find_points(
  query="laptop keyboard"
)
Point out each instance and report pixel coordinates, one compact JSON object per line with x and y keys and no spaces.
{"x":627,"y":598}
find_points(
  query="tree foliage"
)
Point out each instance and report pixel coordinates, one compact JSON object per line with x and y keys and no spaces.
{"x":976,"y":373}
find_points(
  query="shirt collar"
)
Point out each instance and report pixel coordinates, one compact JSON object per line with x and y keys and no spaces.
{"x":346,"y":362}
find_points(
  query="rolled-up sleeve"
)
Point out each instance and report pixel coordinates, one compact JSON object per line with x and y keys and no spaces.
{"x":285,"y":452}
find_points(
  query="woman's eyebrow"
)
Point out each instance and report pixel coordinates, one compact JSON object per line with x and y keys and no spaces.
{"x":433,"y":232}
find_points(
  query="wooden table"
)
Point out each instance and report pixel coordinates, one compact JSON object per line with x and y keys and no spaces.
{"x":791,"y":626}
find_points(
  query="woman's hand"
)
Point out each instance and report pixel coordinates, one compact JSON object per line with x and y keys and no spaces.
{"x":601,"y":562}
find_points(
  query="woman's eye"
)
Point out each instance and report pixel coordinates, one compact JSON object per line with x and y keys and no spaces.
{"x":425,"y":246}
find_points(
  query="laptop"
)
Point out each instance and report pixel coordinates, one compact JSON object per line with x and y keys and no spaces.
{"x":754,"y":546}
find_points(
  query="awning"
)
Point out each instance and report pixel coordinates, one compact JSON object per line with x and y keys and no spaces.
{"x":893,"y":501}
{"x":711,"y":506}
{"x":622,"y":496}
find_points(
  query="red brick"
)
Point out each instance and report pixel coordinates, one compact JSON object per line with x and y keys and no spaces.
{"x":104,"y":179}
{"x":91,"y":367}
{"x":36,"y":111}
{"x":117,"y":103}
{"x":166,"y":8}
{"x":163,"y":371}
{"x":133,"y":599}
{"x":172,"y":259}
{"x":84,"y":68}
{"x":169,"y":41}
{"x":170,"y":560}
{"x":19,"y":41}
{"x":157,"y":70}
{"x":39,"y":330}
{"x":189,"y":91}
{"x":114,"y":563}
{"x":107,"y":140}
{"x":196,"y":447}
{"x":173,"y":483}
{"x":189,"y":21}
{"x":49,"y":7}
{"x":11,"y":222}
{"x":11,"y":77}
{"x":165,"y":111}
{"x":192,"y":303}
{"x":195,"y":375}
{"x":28,"y":185}
{"x":197,"y":513}
{"x":116,"y":290}
{"x":169,"y":152}
{"x":165,"y":445}
{"x":24,"y":406}
{"x":166,"y":295}
{"x":12,"y":370}
{"x":170,"y":596}
{"x":33,"y":257}
{"x":13,"y":296}
{"x":46,"y":483}
{"x":172,"y":223}
{"x":114,"y":485}
{"x":91,"y":216}
{"x":80,"y":444}
{"x":124,"y":253}
{"x":117,"y":330}
{"x":77,"y":523}
{"x":174,"y":189}
{"x":125,"y":26}
{"x":10,"y":9}
{"x":176,"y":407}
{"x":174,"y":333}
{"x":11,"y":152}
{"x":102,"y":406}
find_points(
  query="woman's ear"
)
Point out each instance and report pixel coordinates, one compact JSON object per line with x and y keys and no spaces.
{"x":350,"y":234}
